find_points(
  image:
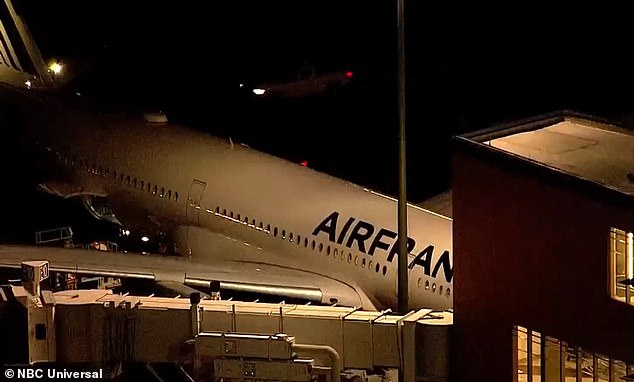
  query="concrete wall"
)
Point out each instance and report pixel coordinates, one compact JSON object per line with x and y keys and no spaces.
{"x":531,"y":248}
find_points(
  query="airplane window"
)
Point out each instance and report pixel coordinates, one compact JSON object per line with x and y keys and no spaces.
{"x":448,"y":291}
{"x":305,"y":242}
{"x":321,"y":247}
{"x":238,"y":216}
{"x":162,"y":192}
{"x":298,"y":240}
{"x":80,"y":163}
{"x":384,"y":270}
{"x":127,"y":180}
{"x":342,"y":256}
{"x":121,"y":176}
{"x":312,"y":244}
{"x":283,"y":234}
{"x":356,"y":260}
{"x":349,"y":257}
{"x":440,"y":289}
{"x":107,"y":172}
{"x":154,"y":189}
{"x":169,"y":194}
{"x":73,"y":161}
{"x":275,"y":231}
{"x":363,"y":263}
{"x":141,"y":185}
{"x":378,"y":267}
{"x":66,"y":161}
{"x":224,"y":212}
{"x":268,"y":228}
{"x":176,"y":196}
{"x":420,"y":282}
{"x":426,"y":284}
{"x":134,"y":182}
{"x":114,"y":174}
{"x":99,"y":170}
{"x":370,"y":265}
{"x":261,"y":225}
{"x":253,"y":222}
{"x":217,"y":209}
{"x":290,"y":237}
{"x":433,"y":287}
{"x":246,"y":219}
{"x":328,"y":251}
{"x":231,"y":214}
{"x":149,"y":186}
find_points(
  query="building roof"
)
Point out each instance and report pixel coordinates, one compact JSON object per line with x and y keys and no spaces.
{"x":593,"y":150}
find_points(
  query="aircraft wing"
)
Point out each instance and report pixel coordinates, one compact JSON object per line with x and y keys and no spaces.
{"x":251,"y":277}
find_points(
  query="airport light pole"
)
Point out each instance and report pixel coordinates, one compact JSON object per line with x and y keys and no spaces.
{"x":403,"y":253}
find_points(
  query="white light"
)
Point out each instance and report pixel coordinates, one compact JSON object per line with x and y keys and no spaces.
{"x":126,"y":232}
{"x":630,"y":255}
{"x":259,"y":91}
{"x":241,"y":85}
{"x":28,"y":84}
{"x":145,"y":239}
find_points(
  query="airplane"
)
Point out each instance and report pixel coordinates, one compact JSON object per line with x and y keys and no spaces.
{"x":308,"y":83}
{"x":246,"y":219}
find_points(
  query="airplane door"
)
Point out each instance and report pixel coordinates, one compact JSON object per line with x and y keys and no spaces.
{"x":194,"y":197}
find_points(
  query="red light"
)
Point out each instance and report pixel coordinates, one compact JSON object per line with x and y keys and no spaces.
{"x":349,"y":74}
{"x":304,"y":163}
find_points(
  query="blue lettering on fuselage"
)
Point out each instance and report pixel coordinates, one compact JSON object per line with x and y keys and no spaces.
{"x":380,"y":239}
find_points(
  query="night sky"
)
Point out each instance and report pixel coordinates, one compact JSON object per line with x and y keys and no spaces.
{"x":468,"y":66}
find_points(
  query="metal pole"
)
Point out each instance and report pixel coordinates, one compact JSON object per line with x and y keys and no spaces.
{"x":403,"y":303}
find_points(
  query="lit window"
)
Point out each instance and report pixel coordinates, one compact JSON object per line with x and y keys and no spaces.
{"x":420,"y":282}
{"x":427,"y":285}
{"x":363,"y":262}
{"x":433,"y":287}
{"x":370,"y":265}
{"x":356,"y":260}
{"x":622,"y":265}
{"x":349,"y":257}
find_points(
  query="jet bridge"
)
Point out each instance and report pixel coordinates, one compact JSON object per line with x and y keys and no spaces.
{"x":231,"y":340}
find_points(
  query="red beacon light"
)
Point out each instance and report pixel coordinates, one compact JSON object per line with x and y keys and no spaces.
{"x":304,"y":163}
{"x":348,"y":74}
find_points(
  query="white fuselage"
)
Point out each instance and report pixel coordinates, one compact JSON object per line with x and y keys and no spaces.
{"x":175,"y":177}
